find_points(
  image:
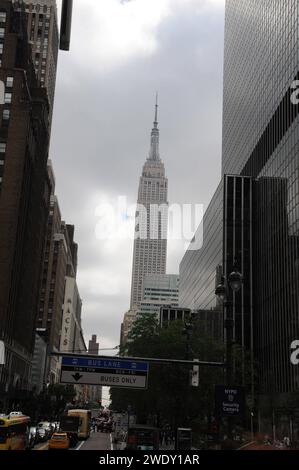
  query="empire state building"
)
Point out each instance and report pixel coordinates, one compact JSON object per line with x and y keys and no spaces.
{"x":150,"y":244}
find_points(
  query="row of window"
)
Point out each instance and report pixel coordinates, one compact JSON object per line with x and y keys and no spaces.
{"x":2,"y":158}
{"x":2,"y":34}
{"x":5,"y":118}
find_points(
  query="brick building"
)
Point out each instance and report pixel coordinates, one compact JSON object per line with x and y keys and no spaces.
{"x":24,"y":199}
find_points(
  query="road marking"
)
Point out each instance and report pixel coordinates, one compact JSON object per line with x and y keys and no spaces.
{"x":80,"y":445}
{"x":111,"y":442}
{"x":246,"y":445}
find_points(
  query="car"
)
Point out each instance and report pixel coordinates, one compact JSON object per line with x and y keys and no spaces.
{"x":41,"y":435}
{"x":33,"y":436}
{"x":15,"y":413}
{"x":47,"y":427}
{"x":59,"y":441}
{"x":53,"y":427}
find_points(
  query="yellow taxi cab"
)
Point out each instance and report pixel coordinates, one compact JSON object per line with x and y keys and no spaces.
{"x":59,"y":440}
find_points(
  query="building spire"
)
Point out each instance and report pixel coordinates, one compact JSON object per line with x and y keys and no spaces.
{"x":154,"y":149}
{"x":156,"y":113}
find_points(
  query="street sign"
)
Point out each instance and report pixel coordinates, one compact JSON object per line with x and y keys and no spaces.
{"x":105,"y":371}
{"x":229,"y":401}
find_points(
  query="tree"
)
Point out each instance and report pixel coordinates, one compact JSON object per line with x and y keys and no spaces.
{"x":169,"y":396}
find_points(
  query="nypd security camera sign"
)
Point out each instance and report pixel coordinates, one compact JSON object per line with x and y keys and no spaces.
{"x":229,"y":401}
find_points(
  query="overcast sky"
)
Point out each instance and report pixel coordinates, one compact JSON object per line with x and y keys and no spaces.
{"x":122,"y":52}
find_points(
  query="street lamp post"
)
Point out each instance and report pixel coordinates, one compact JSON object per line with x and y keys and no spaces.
{"x":232,"y":283}
{"x":129,"y":409}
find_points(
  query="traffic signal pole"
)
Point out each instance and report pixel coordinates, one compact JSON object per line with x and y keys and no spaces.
{"x":150,"y":360}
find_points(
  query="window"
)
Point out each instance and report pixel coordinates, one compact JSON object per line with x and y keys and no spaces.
{"x":2,"y":17}
{"x":5,"y":115}
{"x":1,"y":48}
{"x":9,"y":82}
{"x":1,"y":162}
{"x":2,"y":32}
{"x":7,"y":98}
{"x":2,"y":147}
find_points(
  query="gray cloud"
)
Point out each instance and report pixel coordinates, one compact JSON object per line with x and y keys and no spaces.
{"x":102,"y":121}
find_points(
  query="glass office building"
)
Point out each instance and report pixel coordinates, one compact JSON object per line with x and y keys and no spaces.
{"x":226,"y":235}
{"x":261,"y":140}
{"x":201,"y":266}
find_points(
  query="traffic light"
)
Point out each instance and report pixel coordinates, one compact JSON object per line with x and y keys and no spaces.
{"x":194,"y":376}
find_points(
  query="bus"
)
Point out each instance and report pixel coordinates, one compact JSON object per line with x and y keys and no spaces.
{"x":141,"y":437}
{"x":85,"y":416}
{"x":14,"y":432}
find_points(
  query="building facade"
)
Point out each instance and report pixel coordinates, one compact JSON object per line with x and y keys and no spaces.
{"x":261,"y":140}
{"x":95,"y":391}
{"x":43,"y":36}
{"x":39,"y":362}
{"x":150,"y":244}
{"x":227,"y":236}
{"x":169,"y":314}
{"x":71,"y":319}
{"x":158,"y":290}
{"x":24,"y":200}
{"x":59,"y":261}
{"x":128,"y":320}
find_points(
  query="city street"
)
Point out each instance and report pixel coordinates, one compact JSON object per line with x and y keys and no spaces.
{"x":149,"y":231}
{"x":97,"y":441}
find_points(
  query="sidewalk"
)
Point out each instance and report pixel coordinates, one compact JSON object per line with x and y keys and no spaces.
{"x":167,"y":447}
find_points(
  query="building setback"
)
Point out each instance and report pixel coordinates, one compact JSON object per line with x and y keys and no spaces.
{"x":24,"y":199}
{"x":150,"y":244}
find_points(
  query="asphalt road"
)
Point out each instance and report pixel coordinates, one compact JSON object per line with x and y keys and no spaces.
{"x":96,"y":441}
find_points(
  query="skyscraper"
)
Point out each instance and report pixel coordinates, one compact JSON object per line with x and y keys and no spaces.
{"x":24,"y":200}
{"x":150,"y":244}
{"x":254,"y":216}
{"x":261,"y":140}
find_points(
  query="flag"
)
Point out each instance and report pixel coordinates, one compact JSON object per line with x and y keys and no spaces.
{"x":2,"y":353}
